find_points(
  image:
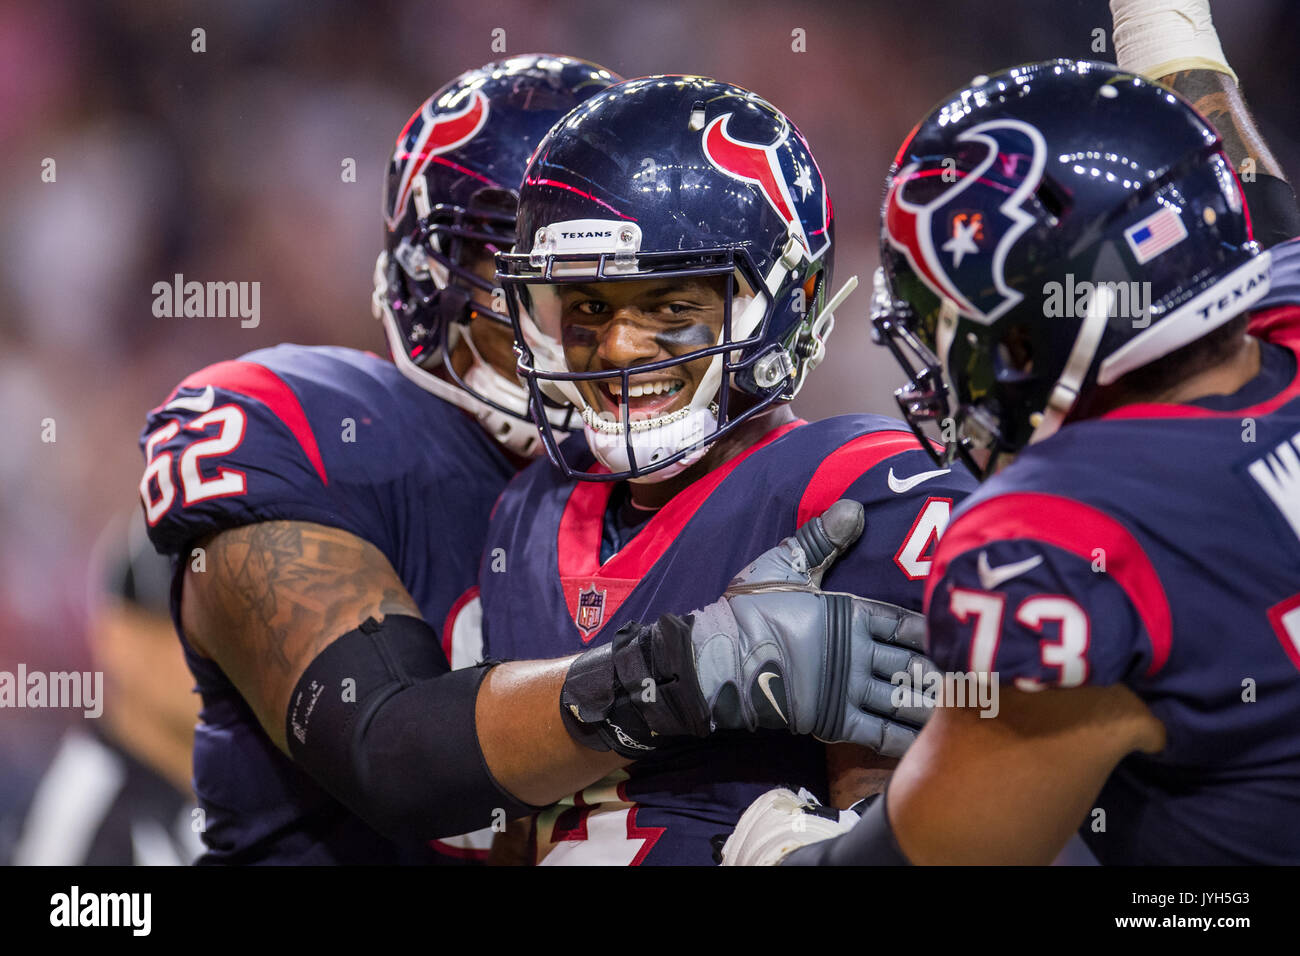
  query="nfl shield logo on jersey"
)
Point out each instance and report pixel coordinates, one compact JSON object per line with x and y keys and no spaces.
{"x":591,"y":610}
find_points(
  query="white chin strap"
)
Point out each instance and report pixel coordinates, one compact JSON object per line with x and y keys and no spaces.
{"x":1066,"y":391}
{"x":654,"y":439}
{"x":660,"y":438}
{"x":519,"y":436}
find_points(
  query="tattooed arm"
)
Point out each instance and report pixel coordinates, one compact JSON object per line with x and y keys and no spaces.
{"x":1217,"y":97}
{"x":1175,"y":43}
{"x":277,"y":593}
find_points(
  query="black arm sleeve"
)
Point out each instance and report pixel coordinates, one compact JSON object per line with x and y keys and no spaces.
{"x":381,"y":721}
{"x":1274,"y":214}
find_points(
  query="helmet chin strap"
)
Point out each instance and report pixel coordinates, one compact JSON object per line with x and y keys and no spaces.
{"x":663,"y":437}
{"x":651,"y":445}
{"x":1066,"y":391}
{"x":521,"y":437}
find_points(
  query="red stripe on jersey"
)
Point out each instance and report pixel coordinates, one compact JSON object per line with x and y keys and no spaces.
{"x":449,"y":625}
{"x":635,"y":831}
{"x":1070,"y":526}
{"x":1280,"y":326}
{"x":578,"y":542}
{"x":260,"y":383}
{"x":846,"y":464}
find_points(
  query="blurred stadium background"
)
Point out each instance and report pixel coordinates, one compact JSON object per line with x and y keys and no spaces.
{"x":225,"y":165}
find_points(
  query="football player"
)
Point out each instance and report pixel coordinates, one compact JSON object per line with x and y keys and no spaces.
{"x":327,"y":510}
{"x":1130,"y":571}
{"x":673,"y":284}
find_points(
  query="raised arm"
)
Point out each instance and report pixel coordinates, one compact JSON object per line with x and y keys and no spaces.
{"x":1174,"y":42}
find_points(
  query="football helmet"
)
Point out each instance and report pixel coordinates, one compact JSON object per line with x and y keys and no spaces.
{"x":1046,"y":231}
{"x":449,"y":195}
{"x":674,"y":178}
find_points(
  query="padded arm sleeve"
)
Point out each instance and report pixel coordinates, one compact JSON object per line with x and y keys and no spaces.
{"x":380,"y":720}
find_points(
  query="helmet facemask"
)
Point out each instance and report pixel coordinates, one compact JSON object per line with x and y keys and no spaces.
{"x":955,"y":383}
{"x":449,"y":204}
{"x":435,"y":281}
{"x":635,"y":425}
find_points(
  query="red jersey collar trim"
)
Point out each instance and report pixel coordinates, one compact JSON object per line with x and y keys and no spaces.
{"x":607,"y":586}
{"x":581,"y":524}
{"x":1288,"y":339}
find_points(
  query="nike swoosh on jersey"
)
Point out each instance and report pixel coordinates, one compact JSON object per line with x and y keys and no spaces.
{"x":900,"y":485}
{"x":201,"y":402}
{"x":764,"y":679}
{"x":990,"y":578}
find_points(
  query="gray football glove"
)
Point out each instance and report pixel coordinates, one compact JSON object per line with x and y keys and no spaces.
{"x":775,"y":651}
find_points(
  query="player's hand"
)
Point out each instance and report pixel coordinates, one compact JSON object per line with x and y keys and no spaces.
{"x":779,"y":822}
{"x":775,"y":651}
{"x":778,"y":652}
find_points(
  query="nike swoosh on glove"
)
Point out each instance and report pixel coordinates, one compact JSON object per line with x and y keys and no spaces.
{"x":777,"y":651}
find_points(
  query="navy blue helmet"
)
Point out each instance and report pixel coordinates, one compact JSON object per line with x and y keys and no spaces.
{"x":674,"y":178}
{"x":449,"y":198}
{"x":1045,"y":232}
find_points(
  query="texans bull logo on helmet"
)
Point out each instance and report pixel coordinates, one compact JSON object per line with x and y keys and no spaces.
{"x":966,"y":232}
{"x":765,"y":166}
{"x":428,"y":134}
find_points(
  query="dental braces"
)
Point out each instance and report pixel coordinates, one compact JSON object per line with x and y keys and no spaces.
{"x":604,"y":425}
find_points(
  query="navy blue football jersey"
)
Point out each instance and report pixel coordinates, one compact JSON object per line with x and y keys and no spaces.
{"x":1157,"y":546}
{"x":546,"y":593}
{"x":335,"y":437}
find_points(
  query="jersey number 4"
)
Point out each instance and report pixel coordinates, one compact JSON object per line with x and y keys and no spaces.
{"x":916,"y":554}
{"x":229,"y":420}
{"x":596,"y":826}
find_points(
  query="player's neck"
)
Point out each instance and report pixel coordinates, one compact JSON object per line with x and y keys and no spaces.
{"x":1238,"y":365}
{"x":654,"y":495}
{"x":1236,"y":369}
